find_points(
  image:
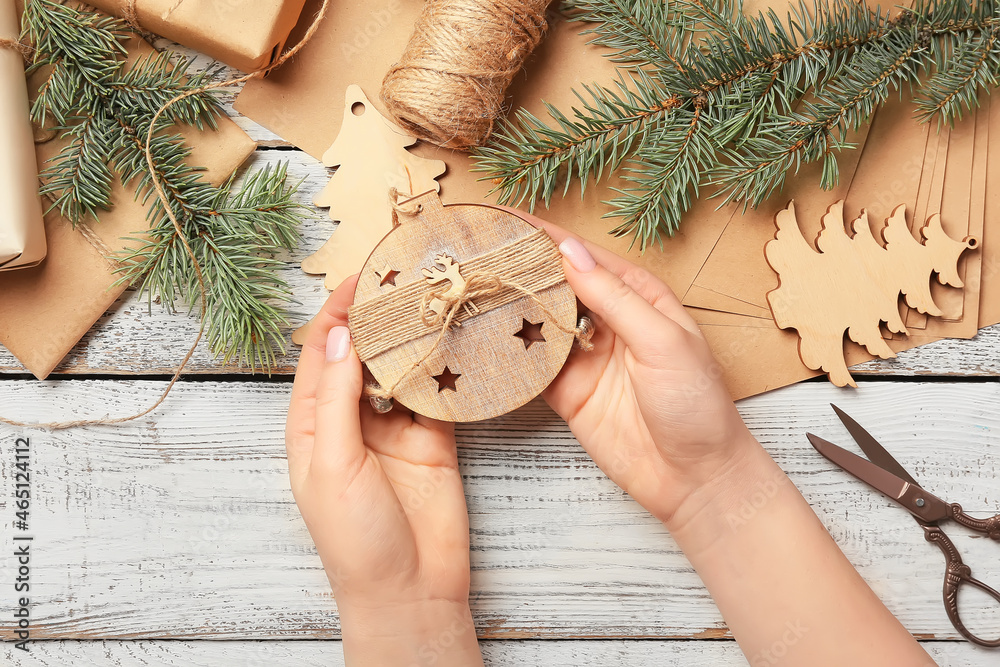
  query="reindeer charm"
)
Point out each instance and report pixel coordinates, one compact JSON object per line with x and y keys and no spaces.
{"x":450,"y":271}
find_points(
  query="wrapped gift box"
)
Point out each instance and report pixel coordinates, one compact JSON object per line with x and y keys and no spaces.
{"x":246,"y":34}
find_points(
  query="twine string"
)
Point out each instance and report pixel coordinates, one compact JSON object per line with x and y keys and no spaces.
{"x":98,"y":244}
{"x":16,"y":45}
{"x":406,"y":208}
{"x":130,"y":13}
{"x":450,"y":83}
{"x":394,"y":318}
{"x":168,"y":209}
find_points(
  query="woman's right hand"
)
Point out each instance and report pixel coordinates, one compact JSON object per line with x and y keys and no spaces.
{"x":648,"y":403}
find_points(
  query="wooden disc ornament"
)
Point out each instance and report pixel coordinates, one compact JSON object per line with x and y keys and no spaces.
{"x":463,"y":312}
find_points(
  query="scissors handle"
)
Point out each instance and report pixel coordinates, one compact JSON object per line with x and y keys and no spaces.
{"x":989,"y":526}
{"x":957,"y":574}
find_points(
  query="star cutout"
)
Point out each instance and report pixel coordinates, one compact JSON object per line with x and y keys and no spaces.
{"x":387,"y":276}
{"x":446,"y":380}
{"x":531,"y":333}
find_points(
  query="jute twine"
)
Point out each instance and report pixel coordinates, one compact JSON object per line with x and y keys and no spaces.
{"x":14,"y":45}
{"x":450,"y":82}
{"x":131,"y":16}
{"x":520,"y":269}
{"x":161,"y":194}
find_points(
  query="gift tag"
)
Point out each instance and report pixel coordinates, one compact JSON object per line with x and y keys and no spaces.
{"x":462,"y":312}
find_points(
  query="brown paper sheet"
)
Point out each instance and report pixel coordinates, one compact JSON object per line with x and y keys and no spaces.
{"x":894,"y":164}
{"x":46,"y":310}
{"x":358,"y":43}
{"x":989,"y":295}
{"x":22,"y":234}
{"x":962,"y":208}
{"x":247,"y":35}
{"x":742,"y":243}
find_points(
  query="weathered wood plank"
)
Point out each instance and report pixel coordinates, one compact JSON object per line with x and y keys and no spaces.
{"x":183,"y":526}
{"x":525,"y":653}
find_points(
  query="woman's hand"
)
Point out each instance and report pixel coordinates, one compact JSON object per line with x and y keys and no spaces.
{"x":383,"y":500}
{"x":648,"y":403}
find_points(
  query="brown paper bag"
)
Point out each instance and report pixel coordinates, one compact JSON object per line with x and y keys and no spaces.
{"x":246,"y":34}
{"x":22,"y":235}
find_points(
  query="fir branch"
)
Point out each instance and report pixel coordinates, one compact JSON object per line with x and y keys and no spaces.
{"x":636,"y":31}
{"x":234,"y":235}
{"x":598,"y":137}
{"x":84,"y":48}
{"x":757,"y":170}
{"x":78,"y":180}
{"x":665,"y":174}
{"x":771,"y":94}
{"x":971,"y":64}
{"x":103,"y":111}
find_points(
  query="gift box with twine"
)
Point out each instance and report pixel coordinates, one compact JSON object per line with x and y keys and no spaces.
{"x":245,"y":34}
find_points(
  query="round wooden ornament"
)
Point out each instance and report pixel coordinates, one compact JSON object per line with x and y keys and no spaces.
{"x":463,"y":312}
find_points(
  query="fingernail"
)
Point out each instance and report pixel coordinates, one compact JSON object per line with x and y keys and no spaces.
{"x":338,"y":344}
{"x":579,"y":257}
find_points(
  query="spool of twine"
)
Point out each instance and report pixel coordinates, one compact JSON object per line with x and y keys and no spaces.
{"x":450,"y":83}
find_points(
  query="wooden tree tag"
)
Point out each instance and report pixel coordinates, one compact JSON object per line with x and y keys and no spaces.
{"x":505,"y":345}
{"x":371,"y":157}
{"x":853,"y":283}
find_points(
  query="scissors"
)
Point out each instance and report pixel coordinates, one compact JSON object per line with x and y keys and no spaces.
{"x":883,"y":473}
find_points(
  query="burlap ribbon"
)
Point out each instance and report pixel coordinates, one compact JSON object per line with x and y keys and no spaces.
{"x":520,"y":269}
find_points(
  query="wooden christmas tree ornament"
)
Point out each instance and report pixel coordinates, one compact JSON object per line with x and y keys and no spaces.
{"x":853,"y":283}
{"x":463,"y":312}
{"x":372,"y":166}
{"x":372,"y":160}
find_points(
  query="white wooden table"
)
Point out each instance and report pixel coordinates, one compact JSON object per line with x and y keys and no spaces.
{"x":181,"y":526}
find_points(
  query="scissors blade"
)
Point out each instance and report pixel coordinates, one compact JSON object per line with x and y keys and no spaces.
{"x":926,"y":507}
{"x":871,"y":447}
